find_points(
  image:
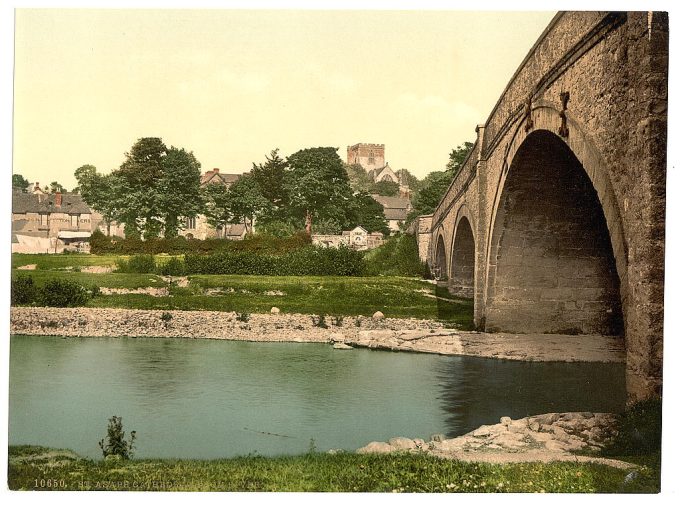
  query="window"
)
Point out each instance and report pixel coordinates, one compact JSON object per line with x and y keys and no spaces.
{"x":44,"y":219}
{"x":75,"y":220}
{"x":191,"y":223}
{"x":371,"y":158}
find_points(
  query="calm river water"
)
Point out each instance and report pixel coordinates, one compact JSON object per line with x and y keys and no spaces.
{"x":207,"y":399}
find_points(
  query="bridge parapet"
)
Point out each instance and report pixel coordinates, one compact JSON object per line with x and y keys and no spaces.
{"x":567,"y":37}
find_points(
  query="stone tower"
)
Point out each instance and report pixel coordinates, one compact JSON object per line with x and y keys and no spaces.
{"x":369,"y":156}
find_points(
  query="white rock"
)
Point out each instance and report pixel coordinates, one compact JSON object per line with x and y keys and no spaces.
{"x":506,"y":421}
{"x":275,"y":310}
{"x":341,"y":345}
{"x":378,"y":315}
{"x":376,"y":447}
{"x":402,"y":443}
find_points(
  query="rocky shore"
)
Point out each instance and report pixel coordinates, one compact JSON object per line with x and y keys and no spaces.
{"x":372,"y":332}
{"x":543,"y":438}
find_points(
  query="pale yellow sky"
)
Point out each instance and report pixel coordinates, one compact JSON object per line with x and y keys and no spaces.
{"x":232,"y":85}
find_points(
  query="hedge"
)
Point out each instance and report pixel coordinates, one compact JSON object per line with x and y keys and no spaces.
{"x":309,"y":260}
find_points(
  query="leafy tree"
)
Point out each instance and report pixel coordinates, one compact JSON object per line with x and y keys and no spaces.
{"x":246,"y":202}
{"x":328,"y":227}
{"x":19,"y":182}
{"x":359,"y":180}
{"x":216,"y":201}
{"x":385,"y":188}
{"x":318,"y":185}
{"x":180,"y":189}
{"x":55,"y":187}
{"x":367,"y":212}
{"x":457,"y":158}
{"x":411,"y":180}
{"x":99,"y":192}
{"x":431,"y":192}
{"x":269,"y":178}
{"x":154,"y":187}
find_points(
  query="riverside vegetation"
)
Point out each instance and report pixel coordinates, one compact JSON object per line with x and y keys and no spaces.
{"x":249,"y":277}
{"x":638,"y":442}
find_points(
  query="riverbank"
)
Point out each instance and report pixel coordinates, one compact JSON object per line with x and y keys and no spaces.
{"x":394,"y":334}
{"x":38,"y":468}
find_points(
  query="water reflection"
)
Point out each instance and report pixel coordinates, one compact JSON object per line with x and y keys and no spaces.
{"x":209,"y":399}
{"x":476,"y":391}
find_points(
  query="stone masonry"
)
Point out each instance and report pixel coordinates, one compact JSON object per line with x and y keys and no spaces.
{"x":561,"y":202}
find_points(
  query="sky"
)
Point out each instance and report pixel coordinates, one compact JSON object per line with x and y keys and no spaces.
{"x":231,"y":85}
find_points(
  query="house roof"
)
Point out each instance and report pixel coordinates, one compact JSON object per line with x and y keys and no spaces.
{"x":393,"y":202}
{"x":71,"y":203}
{"x":214,"y":176}
{"x":395,"y":214}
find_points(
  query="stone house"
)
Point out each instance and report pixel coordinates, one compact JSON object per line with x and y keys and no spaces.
{"x":198,"y":227}
{"x":50,"y":223}
{"x":396,"y":208}
{"x":358,"y":239}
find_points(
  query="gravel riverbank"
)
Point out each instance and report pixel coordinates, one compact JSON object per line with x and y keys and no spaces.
{"x":380,"y":333}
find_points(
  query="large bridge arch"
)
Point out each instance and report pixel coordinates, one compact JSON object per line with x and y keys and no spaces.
{"x":551,"y":266}
{"x":587,"y":108}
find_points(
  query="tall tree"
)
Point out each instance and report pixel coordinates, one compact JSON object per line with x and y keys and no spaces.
{"x":269,"y":177}
{"x":141,"y":204}
{"x":318,"y":185}
{"x":19,"y":182}
{"x":457,"y":158}
{"x":216,"y":201}
{"x":367,"y":212}
{"x":99,"y":192}
{"x":431,"y":192}
{"x":359,"y":180}
{"x":246,"y":202}
{"x":179,"y":188}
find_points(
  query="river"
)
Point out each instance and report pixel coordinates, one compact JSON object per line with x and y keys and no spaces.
{"x":195,"y":398}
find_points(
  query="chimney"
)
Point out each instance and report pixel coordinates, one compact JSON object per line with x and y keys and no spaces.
{"x":216,"y":170}
{"x":36,"y":188}
{"x":57,"y":199}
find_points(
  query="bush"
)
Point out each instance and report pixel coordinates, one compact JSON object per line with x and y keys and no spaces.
{"x":309,"y":260}
{"x":639,"y":430}
{"x":114,"y":444}
{"x":63,"y":293}
{"x":397,"y":256}
{"x":139,"y":264}
{"x":24,"y":291}
{"x":174,"y":267}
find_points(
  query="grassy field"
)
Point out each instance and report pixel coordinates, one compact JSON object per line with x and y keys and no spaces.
{"x":351,"y":296}
{"x":35,"y":468}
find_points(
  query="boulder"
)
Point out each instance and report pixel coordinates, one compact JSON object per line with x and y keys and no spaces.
{"x":506,"y":421}
{"x":402,"y":443}
{"x":341,"y":345}
{"x":275,"y":310}
{"x":376,"y":447}
{"x":378,"y":315}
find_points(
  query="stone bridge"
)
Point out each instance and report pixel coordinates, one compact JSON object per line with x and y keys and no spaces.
{"x":555,"y":223}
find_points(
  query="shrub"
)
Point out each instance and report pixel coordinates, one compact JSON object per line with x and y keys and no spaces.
{"x":319,"y":321}
{"x":138,"y":264}
{"x":639,"y":430}
{"x":397,"y":256}
{"x":24,"y":291}
{"x":166,"y":317}
{"x":337,"y":320}
{"x":242,"y":317}
{"x":308,"y":260}
{"x":174,"y":267}
{"x":62,"y":293}
{"x":100,"y":243}
{"x":114,"y":444}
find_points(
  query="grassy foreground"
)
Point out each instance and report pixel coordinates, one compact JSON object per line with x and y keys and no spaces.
{"x":37,"y":468}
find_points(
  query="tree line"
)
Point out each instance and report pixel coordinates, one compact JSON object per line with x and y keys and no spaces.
{"x":157,"y":187}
